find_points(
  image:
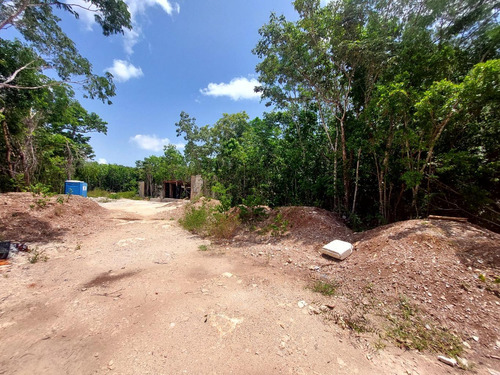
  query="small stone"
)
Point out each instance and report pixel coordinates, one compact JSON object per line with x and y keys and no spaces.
{"x":449,"y":361}
{"x":313,"y":310}
{"x":493,"y":372}
{"x":227,"y":274}
{"x":497,"y":344}
{"x":324,"y":308}
{"x":84,"y":289}
{"x":463,"y":362}
{"x":96,"y":354}
{"x":475,"y":338}
{"x":302,"y":304}
{"x":466,"y":344}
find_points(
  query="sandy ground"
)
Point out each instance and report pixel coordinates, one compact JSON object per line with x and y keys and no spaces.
{"x":139,"y":297}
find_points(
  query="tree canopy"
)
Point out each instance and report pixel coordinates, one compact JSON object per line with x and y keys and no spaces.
{"x":43,"y":126}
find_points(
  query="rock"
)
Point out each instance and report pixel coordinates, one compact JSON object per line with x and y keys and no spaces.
{"x":302,"y":304}
{"x":313,"y":310}
{"x":493,"y":372}
{"x":324,"y":308}
{"x":475,"y":338}
{"x":462,"y":362}
{"x":466,"y":344}
{"x":497,"y":344}
{"x":449,"y":361}
{"x":227,"y":274}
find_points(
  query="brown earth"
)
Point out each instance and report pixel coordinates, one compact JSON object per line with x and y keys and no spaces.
{"x":125,"y":290}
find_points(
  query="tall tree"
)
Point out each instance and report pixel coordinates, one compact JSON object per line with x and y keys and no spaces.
{"x":39,"y":25}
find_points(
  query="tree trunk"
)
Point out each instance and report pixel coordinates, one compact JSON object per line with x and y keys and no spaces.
{"x":8,"y":148}
{"x":356,"y":183}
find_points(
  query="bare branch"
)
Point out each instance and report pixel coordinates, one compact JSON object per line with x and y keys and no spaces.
{"x":13,"y":16}
{"x":7,"y":86}
{"x":13,"y":75}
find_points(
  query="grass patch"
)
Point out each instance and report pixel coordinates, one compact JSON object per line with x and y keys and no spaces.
{"x":98,"y":193}
{"x":36,"y":256}
{"x":325,"y":288}
{"x":412,"y":332}
{"x":203,"y":247}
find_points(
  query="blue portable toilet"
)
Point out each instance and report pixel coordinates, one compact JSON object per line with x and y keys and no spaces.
{"x":74,"y":187}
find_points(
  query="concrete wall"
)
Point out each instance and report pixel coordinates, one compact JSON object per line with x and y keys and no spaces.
{"x":196,"y":186}
{"x":141,"y":189}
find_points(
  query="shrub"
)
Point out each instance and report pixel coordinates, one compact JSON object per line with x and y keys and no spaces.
{"x":196,"y":219}
{"x":223,"y":225}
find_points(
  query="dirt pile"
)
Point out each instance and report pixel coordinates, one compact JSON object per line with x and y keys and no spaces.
{"x":309,"y":226}
{"x":28,"y":218}
{"x":442,"y":272}
{"x":314,"y":225}
{"x":416,"y":281}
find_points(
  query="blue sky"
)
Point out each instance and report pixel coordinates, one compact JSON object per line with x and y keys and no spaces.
{"x":193,"y":56}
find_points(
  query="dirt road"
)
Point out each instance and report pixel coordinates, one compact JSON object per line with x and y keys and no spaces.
{"x":139,"y":297}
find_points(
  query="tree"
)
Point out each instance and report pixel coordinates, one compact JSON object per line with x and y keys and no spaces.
{"x":389,"y":86}
{"x":43,"y":130}
{"x":36,"y":22}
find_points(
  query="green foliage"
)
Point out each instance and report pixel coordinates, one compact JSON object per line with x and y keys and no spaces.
{"x":96,"y":193}
{"x":39,"y":189}
{"x":153,"y":170}
{"x":207,"y":221}
{"x":196,"y":219}
{"x":108,"y":177}
{"x":221,"y":193}
{"x":40,"y":27}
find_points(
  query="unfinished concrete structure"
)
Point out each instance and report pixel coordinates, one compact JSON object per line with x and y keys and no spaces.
{"x":196,"y":186}
{"x":177,"y":189}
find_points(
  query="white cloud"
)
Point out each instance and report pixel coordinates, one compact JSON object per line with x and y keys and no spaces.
{"x":238,"y":88}
{"x":87,"y":13}
{"x":152,"y":142}
{"x":130,"y":39}
{"x":137,"y":8}
{"x":102,"y":161}
{"x":123,"y":70}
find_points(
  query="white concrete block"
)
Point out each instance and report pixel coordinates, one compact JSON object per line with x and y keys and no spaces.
{"x":338,"y":249}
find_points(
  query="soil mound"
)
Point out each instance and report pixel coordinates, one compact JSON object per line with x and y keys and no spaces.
{"x":314,"y":224}
{"x":28,"y":218}
{"x":449,"y":271}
